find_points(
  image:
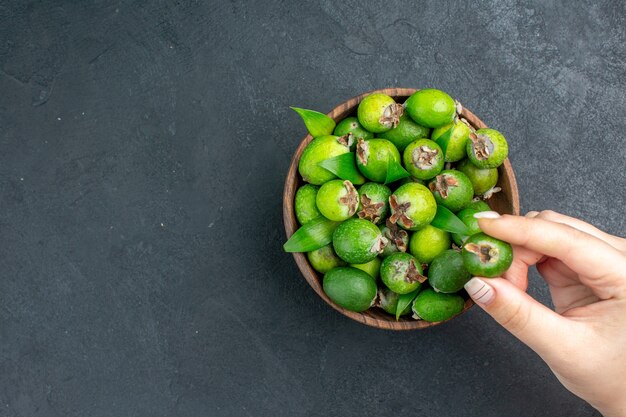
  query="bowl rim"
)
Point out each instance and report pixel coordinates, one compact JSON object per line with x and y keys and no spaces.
{"x":291,"y":225}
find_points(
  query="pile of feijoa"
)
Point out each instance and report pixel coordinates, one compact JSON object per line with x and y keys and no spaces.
{"x":387,"y":214}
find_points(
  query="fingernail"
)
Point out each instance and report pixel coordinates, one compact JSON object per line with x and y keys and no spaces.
{"x":532,"y":214}
{"x":486,"y":215}
{"x":480,"y":291}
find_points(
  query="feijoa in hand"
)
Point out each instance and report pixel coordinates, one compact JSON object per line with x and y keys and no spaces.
{"x":482,"y":180}
{"x":447,"y":273}
{"x":372,"y":267}
{"x":318,"y":150}
{"x":372,"y":158}
{"x":397,"y":239}
{"x":305,"y":206}
{"x":379,"y":113}
{"x":337,"y":200}
{"x":401,"y":273}
{"x":431,"y":107}
{"x":455,"y":141}
{"x":467,"y":217}
{"x":351,"y":130}
{"x":324,"y":259}
{"x":423,"y":159}
{"x":435,"y":306}
{"x":427,"y":243}
{"x":373,"y":202}
{"x":487,"y":148}
{"x":412,"y":206}
{"x":350,"y":288}
{"x":388,"y":301}
{"x":358,"y":241}
{"x":452,"y":189}
{"x":486,"y":256}
{"x":406,"y":132}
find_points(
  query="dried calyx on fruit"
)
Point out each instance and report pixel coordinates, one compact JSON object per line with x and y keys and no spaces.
{"x":347,"y":139}
{"x":490,"y":192}
{"x":413,"y":274}
{"x":484,"y":252}
{"x":483,"y":146}
{"x":442,"y":183}
{"x":362,"y":151}
{"x":351,"y":198}
{"x":423,"y":157}
{"x":396,"y":235}
{"x":399,"y":212}
{"x":391,"y":115}
{"x":371,"y":210}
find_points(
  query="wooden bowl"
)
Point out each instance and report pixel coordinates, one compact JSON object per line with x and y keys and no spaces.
{"x":506,"y":201}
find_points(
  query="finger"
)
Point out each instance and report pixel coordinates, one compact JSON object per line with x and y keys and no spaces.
{"x":616,"y":242}
{"x":530,"y":321}
{"x":517,"y":273}
{"x":565,"y":288}
{"x":598,"y":264}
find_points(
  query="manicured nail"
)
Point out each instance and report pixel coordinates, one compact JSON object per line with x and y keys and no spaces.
{"x":480,"y":291}
{"x":486,"y":215}
{"x":532,"y":214}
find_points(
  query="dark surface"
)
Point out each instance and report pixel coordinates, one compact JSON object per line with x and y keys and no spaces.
{"x":143,"y":148}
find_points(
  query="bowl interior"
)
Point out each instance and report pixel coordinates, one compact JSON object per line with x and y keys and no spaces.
{"x":506,"y":201}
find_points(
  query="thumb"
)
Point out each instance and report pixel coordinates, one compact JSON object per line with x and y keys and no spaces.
{"x":540,"y":328}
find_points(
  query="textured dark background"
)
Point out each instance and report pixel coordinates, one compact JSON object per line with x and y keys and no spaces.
{"x":143,"y":148}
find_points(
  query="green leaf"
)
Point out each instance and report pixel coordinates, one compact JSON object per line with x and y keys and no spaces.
{"x":443,"y":140}
{"x":313,"y":235}
{"x":344,"y":166}
{"x":395,"y":171}
{"x":404,"y":300}
{"x":318,"y":124}
{"x":448,"y":221}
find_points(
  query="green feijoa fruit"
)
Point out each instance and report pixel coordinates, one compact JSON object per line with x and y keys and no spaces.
{"x":388,"y":301}
{"x":324,"y":259}
{"x":350,"y":288}
{"x":423,"y":159}
{"x":373,"y":202}
{"x":446,"y":273}
{"x":358,"y":241}
{"x":401,"y":273}
{"x":337,"y":200}
{"x":406,"y":132}
{"x":486,"y":256}
{"x":305,"y":206}
{"x":467,"y":216}
{"x":487,"y":148}
{"x":351,"y":129}
{"x":452,"y":189}
{"x":412,"y":206}
{"x":320,"y":149}
{"x":379,"y":113}
{"x":431,"y":107}
{"x":372,"y":267}
{"x":372,"y":158}
{"x":397,"y":239}
{"x":428,"y":242}
{"x":479,"y":205}
{"x":435,"y":306}
{"x":482,"y":179}
{"x":453,"y":138}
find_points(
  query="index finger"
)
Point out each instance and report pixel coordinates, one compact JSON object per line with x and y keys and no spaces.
{"x":594,"y":260}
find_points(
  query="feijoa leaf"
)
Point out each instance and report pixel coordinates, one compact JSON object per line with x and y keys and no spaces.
{"x":404,"y":300}
{"x":448,"y":221}
{"x":311,"y":236}
{"x":443,"y":140}
{"x":344,"y":166}
{"x":318,"y":124}
{"x":395,"y":171}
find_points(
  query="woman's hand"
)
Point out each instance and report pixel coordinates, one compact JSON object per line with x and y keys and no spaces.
{"x":584,"y":341}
